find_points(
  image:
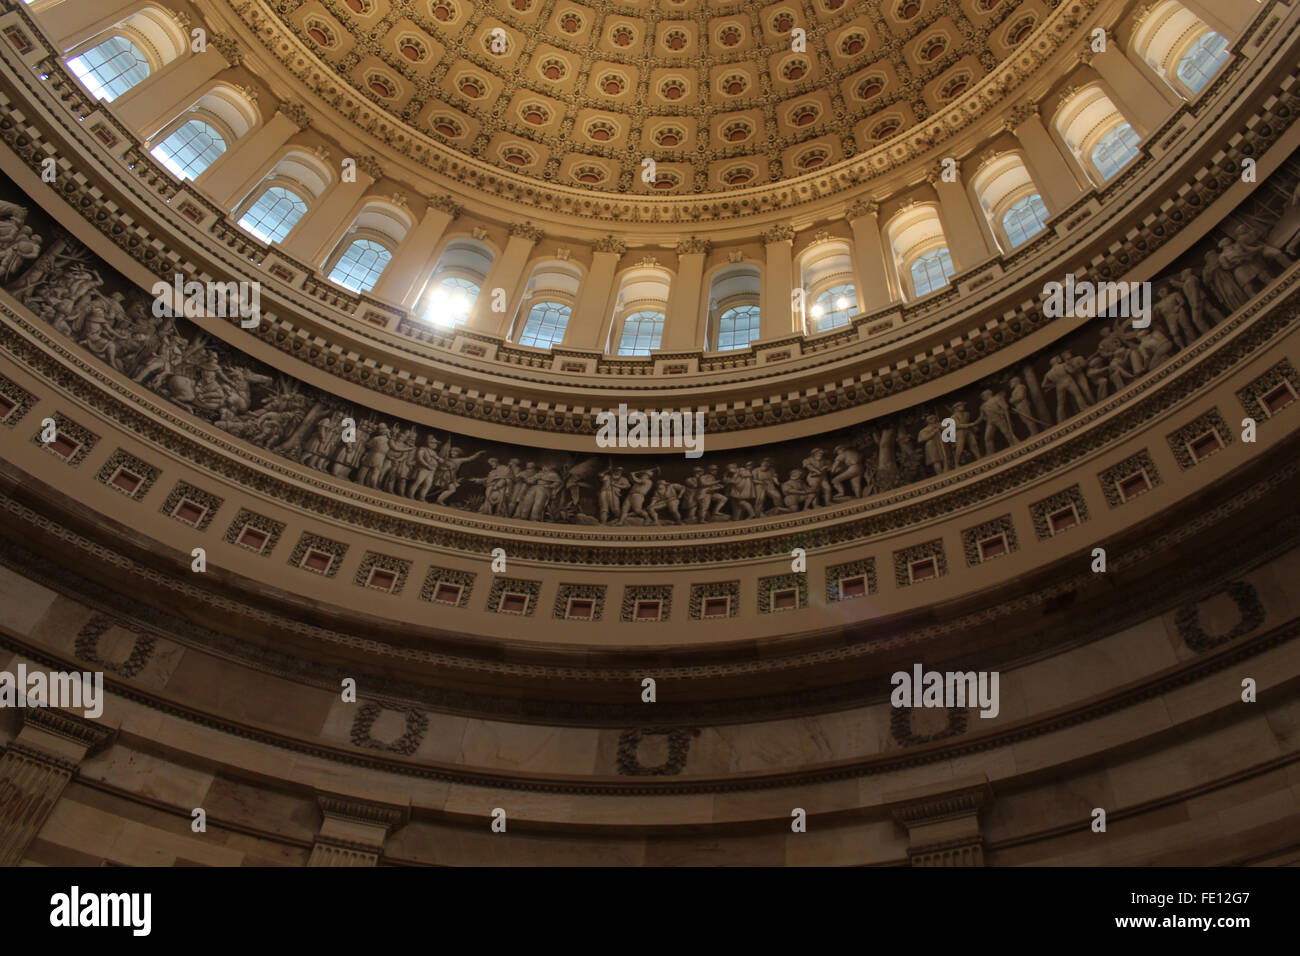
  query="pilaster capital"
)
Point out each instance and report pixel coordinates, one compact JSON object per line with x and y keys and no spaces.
{"x":862,"y":207}
{"x":609,"y":244}
{"x":446,"y":204}
{"x":778,"y":233}
{"x":228,"y":47}
{"x":298,"y":114}
{"x":526,"y":230}
{"x":370,"y":166}
{"x":693,"y":246}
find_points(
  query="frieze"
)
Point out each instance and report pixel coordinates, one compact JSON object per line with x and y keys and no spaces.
{"x":61,"y":281}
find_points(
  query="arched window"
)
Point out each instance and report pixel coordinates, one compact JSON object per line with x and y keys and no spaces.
{"x":1024,"y":219}
{"x":737,"y":327}
{"x":830,"y":298}
{"x":920,"y":249}
{"x":834,"y":307}
{"x":360,"y":265}
{"x":457,"y":280}
{"x":642,"y":333}
{"x":111,"y":68}
{"x":273,"y":214}
{"x":931,"y":271}
{"x":451,"y":301}
{"x":1115,"y":150}
{"x":1203,"y":60}
{"x":735,"y":291}
{"x":191,"y":149}
{"x":545,"y":326}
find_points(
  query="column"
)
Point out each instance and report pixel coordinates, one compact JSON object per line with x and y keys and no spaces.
{"x":589,"y":323}
{"x":966,"y":240}
{"x":507,"y":273}
{"x":1140,"y":100}
{"x":325,"y":223}
{"x":353,"y":831}
{"x":942,"y":823}
{"x":874,"y":291}
{"x":777,"y":316}
{"x":161,"y":97}
{"x":35,"y":769}
{"x":1051,"y":170}
{"x":68,"y":23}
{"x":1228,"y":18}
{"x":685,"y":323}
{"x":244,"y":164}
{"x":404,"y":279}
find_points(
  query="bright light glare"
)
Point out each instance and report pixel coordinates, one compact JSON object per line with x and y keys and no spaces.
{"x":817,"y":311}
{"x":841,"y":303}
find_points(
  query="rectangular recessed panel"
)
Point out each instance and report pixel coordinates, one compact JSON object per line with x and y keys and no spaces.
{"x":7,"y":405}
{"x":580,"y":607}
{"x":1207,"y":444}
{"x":921,"y":570}
{"x":447,"y":593}
{"x":716,"y":607}
{"x":317,"y":560}
{"x":64,"y":446}
{"x":384,"y":580}
{"x":993,"y":547}
{"x":782,"y":600}
{"x":128,"y":481}
{"x":1134,"y":485}
{"x":853,"y":587}
{"x":1278,"y":398}
{"x":647,"y":610}
{"x":514,"y":603}
{"x":250,"y":537}
{"x":187,"y":510}
{"x":1065,"y":518}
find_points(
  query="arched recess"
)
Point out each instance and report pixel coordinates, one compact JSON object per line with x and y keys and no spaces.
{"x":115,"y":60}
{"x":1010,"y":199}
{"x":192,"y":142}
{"x":360,"y":257}
{"x":640,"y":311}
{"x":274,"y":206}
{"x":1096,"y":133}
{"x":735,"y":292}
{"x":455,"y":283}
{"x":553,"y":282}
{"x":1180,"y":48}
{"x":830,"y":288}
{"x":919,"y":249}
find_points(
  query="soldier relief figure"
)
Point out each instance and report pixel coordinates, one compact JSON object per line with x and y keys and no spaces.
{"x":63,"y":283}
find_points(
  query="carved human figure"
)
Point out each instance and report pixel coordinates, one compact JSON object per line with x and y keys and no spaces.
{"x":376,"y":453}
{"x":817,"y":468}
{"x":1058,"y":377}
{"x":1172,"y":308}
{"x":426,"y":466}
{"x":847,"y":468}
{"x":1204,"y":312}
{"x":797,"y":494}
{"x":634,"y":504}
{"x":667,"y":495}
{"x":739,"y":483}
{"x":1220,"y":280}
{"x":997,"y":419}
{"x":966,"y":438}
{"x":930,"y":438}
{"x":767,"y":486}
{"x":447,"y":476}
{"x":612,"y":486}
